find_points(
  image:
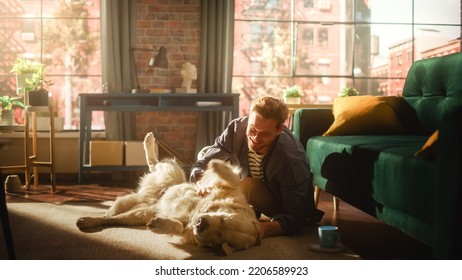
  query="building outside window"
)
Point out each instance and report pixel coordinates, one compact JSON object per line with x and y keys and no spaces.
{"x":65,"y":36}
{"x":323,"y":46}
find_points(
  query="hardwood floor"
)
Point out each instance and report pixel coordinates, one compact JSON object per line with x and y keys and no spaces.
{"x":363,"y":234}
{"x":368,"y":237}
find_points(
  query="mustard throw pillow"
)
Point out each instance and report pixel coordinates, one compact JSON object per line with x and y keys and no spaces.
{"x":365,"y":114}
{"x":428,"y":150}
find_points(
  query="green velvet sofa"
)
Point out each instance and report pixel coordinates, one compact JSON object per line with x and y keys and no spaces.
{"x":381,"y":175}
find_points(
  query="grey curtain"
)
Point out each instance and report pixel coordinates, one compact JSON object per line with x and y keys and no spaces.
{"x":216,"y":65}
{"x":117,"y":37}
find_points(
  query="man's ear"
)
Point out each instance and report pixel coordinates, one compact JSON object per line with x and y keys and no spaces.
{"x":280,"y":129}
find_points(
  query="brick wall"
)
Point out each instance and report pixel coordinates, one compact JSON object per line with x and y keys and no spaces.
{"x":174,"y":24}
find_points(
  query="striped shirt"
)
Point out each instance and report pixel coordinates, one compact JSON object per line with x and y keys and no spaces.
{"x":255,"y":165}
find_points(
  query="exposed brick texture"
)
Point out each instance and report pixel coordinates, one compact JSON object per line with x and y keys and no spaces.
{"x":174,"y":24}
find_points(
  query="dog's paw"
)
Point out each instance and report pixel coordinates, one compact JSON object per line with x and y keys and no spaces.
{"x":226,"y":249}
{"x":149,"y":139}
{"x":150,"y":150}
{"x":165,"y":226}
{"x":89,"y":222}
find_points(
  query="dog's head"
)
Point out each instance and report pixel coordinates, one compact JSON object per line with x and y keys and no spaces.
{"x":226,"y":232}
{"x":228,"y":223}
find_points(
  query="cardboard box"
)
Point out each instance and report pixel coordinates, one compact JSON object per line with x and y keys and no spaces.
{"x":106,"y":153}
{"x":134,"y":153}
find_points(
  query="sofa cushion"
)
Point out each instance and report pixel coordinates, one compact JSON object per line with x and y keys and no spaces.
{"x":433,"y":87}
{"x":365,"y":115}
{"x":382,"y":167}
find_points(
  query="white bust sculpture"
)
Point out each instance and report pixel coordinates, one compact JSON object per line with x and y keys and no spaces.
{"x":189,"y":74}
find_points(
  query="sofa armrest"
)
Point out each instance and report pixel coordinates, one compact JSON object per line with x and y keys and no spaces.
{"x":309,"y":122}
{"x":448,"y":192}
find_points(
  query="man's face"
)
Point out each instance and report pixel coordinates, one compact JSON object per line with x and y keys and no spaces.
{"x":261,"y":133}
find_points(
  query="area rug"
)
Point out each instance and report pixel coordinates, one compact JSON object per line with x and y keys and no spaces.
{"x":46,"y":231}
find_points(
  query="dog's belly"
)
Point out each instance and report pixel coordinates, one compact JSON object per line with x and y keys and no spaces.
{"x":178,"y":202}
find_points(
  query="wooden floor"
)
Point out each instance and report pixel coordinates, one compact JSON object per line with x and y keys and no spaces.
{"x":360,"y":232}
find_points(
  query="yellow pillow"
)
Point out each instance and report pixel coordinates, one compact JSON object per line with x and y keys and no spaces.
{"x":365,"y":114}
{"x":428,"y":150}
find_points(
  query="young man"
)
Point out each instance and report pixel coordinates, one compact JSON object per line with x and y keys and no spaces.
{"x":275,"y":174}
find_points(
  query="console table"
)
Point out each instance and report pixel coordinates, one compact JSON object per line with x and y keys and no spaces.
{"x":127,"y":102}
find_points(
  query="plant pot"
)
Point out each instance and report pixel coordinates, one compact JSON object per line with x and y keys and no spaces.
{"x":37,"y":98}
{"x":21,"y":83}
{"x":7,"y":117}
{"x":43,"y":123}
{"x":293,"y":100}
{"x":13,"y":184}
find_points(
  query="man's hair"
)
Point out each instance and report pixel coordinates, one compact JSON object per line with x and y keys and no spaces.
{"x":270,"y":108}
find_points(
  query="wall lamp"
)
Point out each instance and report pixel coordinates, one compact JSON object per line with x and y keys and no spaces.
{"x":158,"y":59}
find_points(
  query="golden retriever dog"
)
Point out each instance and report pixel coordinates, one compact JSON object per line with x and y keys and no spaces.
{"x":168,"y":204}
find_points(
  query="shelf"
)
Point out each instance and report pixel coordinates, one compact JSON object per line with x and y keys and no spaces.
{"x":37,"y":108}
{"x":226,"y":103}
{"x":11,"y":128}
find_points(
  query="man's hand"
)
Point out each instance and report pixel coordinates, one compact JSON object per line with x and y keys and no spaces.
{"x":202,"y":190}
{"x":270,"y":228}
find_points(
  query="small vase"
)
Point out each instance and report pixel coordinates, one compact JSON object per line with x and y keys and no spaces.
{"x":13,"y":184}
{"x":293,"y":100}
{"x":37,"y":98}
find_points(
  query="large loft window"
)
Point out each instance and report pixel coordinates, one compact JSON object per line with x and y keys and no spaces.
{"x":325,"y":45}
{"x":65,"y":36}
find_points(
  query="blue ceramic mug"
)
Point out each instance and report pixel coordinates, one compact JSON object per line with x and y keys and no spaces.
{"x":328,"y":236}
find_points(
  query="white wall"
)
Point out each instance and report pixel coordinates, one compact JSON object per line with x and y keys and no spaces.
{"x":66,"y":150}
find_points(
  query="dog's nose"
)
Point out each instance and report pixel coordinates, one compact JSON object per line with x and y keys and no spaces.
{"x":201,"y":224}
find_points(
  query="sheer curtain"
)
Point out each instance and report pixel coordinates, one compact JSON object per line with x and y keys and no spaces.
{"x":117,"y":37}
{"x":216,"y":65}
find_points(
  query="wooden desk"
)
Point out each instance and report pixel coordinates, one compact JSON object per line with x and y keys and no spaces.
{"x":127,"y":102}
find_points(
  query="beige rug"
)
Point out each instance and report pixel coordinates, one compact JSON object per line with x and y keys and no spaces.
{"x":47,"y":231}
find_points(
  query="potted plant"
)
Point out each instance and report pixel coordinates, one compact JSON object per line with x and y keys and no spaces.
{"x":292,"y":95}
{"x":348,"y":91}
{"x":37,"y":94}
{"x":7,"y":104}
{"x":24,"y":68}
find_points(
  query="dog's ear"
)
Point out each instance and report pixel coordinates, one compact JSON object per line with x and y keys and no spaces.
{"x":226,"y":171}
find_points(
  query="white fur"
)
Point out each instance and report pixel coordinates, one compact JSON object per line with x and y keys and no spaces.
{"x":167,"y":204}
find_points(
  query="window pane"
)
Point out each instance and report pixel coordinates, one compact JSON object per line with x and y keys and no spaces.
{"x":74,"y":46}
{"x":441,"y":11}
{"x":265,"y":48}
{"x":386,"y":36}
{"x":321,"y":90}
{"x":262,"y":9}
{"x":324,"y":10}
{"x":71,"y":48}
{"x":391,"y":11}
{"x":20,"y":36}
{"x":250,"y":88}
{"x":319,"y":51}
{"x":65,"y":94}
